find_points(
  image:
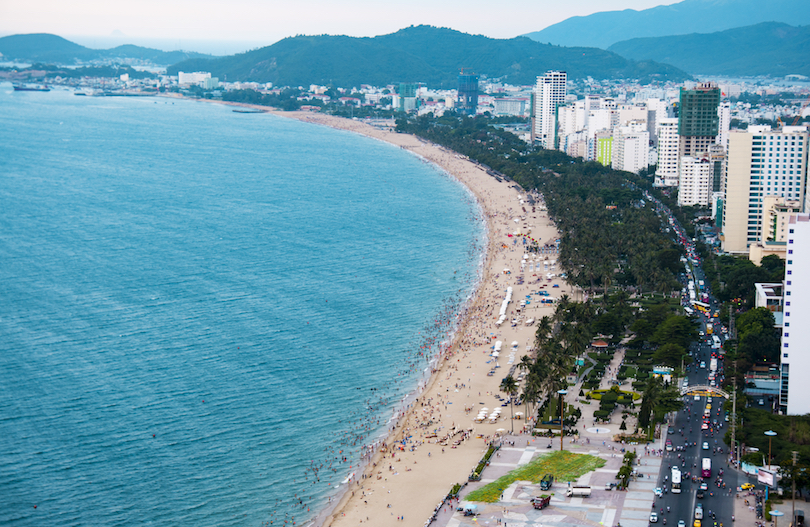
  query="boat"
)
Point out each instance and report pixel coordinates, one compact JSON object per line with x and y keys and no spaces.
{"x":21,"y":87}
{"x":249,"y":110}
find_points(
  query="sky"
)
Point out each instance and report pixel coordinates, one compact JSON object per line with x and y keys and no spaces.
{"x":184,"y":24}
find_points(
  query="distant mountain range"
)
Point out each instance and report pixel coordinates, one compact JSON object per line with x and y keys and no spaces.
{"x":606,"y":28}
{"x":770,"y":48}
{"x":425,"y":54}
{"x":52,"y":49}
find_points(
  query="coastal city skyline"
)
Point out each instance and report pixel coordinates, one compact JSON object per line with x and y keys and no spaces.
{"x":460,"y":264}
{"x":179,"y":24}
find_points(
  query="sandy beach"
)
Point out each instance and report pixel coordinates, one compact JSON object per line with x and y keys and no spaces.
{"x":405,"y":481}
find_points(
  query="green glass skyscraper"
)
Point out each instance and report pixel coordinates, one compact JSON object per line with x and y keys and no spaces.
{"x":698,"y":121}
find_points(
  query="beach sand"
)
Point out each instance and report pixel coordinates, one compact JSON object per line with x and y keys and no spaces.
{"x":409,"y":483}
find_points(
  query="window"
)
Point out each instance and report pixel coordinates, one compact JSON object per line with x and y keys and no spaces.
{"x":787,"y":304}
{"x":784,"y":355}
{"x":786,"y":344}
{"x":790,"y":272}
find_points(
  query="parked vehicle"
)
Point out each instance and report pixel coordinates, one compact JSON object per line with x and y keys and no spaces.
{"x":580,"y":492}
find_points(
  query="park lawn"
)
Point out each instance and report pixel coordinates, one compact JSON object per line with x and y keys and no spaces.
{"x":565,"y":466}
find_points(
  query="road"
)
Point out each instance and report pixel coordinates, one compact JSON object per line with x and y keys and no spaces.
{"x":685,"y":431}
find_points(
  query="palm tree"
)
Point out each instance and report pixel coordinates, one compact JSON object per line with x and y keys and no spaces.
{"x":544,"y":327}
{"x":526,"y":364}
{"x":510,"y":386}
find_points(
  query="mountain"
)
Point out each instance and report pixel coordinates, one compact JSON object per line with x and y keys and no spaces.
{"x":425,"y":54}
{"x":603,"y":29}
{"x":770,"y":48}
{"x":52,"y":49}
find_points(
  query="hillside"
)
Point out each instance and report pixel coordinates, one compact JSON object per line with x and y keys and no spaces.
{"x":425,"y":54}
{"x":604,"y":29}
{"x":52,"y":49}
{"x":770,"y":48}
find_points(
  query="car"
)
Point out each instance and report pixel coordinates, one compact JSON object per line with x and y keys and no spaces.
{"x":658,"y":492}
{"x":705,"y":445}
{"x":704,"y":426}
{"x":726,"y":418}
{"x":708,"y":399}
{"x":681,"y":523}
{"x":747,"y":486}
{"x":653,"y":517}
{"x":703,"y":364}
{"x":699,"y":494}
{"x":697,"y":397}
{"x":704,"y":486}
{"x":697,"y":523}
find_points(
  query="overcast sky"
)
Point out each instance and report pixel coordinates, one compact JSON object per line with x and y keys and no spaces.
{"x":264,"y":22}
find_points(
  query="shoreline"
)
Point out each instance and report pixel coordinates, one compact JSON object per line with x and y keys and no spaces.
{"x":418,"y":491}
{"x":418,"y":441}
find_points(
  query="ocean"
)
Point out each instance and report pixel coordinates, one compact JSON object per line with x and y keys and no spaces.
{"x":205,"y":315}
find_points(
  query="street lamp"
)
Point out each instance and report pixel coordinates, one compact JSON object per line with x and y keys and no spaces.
{"x":775,"y":515}
{"x":562,"y":409}
{"x":770,"y":434}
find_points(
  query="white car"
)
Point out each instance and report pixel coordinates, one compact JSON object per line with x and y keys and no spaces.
{"x":653,"y":517}
{"x":705,"y":445}
{"x":658,"y":492}
{"x":697,"y":397}
{"x":681,"y":523}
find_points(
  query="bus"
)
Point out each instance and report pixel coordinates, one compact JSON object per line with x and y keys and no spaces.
{"x":716,"y":342}
{"x":706,"y":468}
{"x":700,"y":305}
{"x":676,"y":480}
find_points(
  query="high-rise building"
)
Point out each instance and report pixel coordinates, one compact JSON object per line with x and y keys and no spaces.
{"x":666,"y":173}
{"x":467,"y":93}
{"x":776,"y":213}
{"x":631,"y":147}
{"x":695,"y":186}
{"x":698,"y":119}
{"x":548,"y":94}
{"x":604,"y":147}
{"x":407,"y":97}
{"x":761,"y":162}
{"x":724,"y":124}
{"x":794,"y":396}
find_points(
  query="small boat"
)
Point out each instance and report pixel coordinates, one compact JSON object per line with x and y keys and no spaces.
{"x":248,"y":110}
{"x":24,"y":87}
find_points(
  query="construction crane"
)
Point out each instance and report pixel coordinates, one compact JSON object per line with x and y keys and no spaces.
{"x":805,"y":105}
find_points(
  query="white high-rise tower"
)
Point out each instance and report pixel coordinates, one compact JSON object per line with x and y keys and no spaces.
{"x":549,"y":92}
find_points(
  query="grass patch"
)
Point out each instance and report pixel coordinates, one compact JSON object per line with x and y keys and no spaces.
{"x":565,"y":466}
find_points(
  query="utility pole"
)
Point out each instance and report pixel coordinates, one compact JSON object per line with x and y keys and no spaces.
{"x":793,"y":496}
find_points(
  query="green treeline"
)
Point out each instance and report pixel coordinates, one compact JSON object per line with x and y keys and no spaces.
{"x":286,"y":100}
{"x":610,"y":235}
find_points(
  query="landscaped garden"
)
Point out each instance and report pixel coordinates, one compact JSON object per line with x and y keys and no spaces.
{"x":564,"y":466}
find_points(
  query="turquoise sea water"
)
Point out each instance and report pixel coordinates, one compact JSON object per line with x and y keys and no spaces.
{"x":202,"y":313}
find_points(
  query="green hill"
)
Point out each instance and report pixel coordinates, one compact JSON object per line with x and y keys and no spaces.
{"x":425,"y":54}
{"x":770,"y":48}
{"x":52,"y":49}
